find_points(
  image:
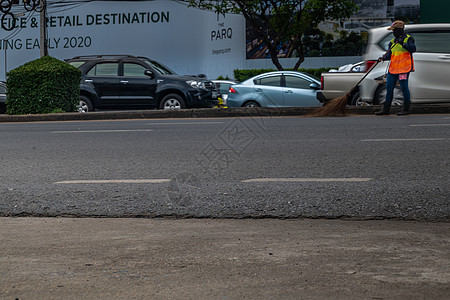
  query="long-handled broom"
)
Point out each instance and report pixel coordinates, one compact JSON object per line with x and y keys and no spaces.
{"x":336,"y":106}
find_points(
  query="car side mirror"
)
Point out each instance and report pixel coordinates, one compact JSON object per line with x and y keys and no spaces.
{"x":314,"y":86}
{"x":149,"y":73}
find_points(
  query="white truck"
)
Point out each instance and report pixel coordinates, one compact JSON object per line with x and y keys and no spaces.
{"x":428,"y":84}
{"x":338,"y":83}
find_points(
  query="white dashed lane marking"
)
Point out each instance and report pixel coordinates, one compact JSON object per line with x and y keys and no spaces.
{"x":186,"y":123}
{"x":429,"y":125}
{"x":253,"y":180}
{"x":306,"y":180}
{"x":103,"y":131}
{"x":113,"y":181}
{"x":405,"y":140}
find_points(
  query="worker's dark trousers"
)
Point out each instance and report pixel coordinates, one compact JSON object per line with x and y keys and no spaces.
{"x":391,"y":81}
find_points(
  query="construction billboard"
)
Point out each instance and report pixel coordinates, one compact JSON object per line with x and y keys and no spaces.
{"x":188,"y":40}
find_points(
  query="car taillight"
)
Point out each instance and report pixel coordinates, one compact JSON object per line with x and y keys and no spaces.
{"x":232,"y":90}
{"x":321,"y":82}
{"x":369,"y":64}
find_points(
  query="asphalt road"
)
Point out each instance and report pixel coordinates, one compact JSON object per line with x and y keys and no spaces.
{"x":363,"y":167}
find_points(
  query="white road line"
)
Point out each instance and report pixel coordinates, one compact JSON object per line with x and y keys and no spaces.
{"x":103,"y":131}
{"x":429,"y":125}
{"x":187,"y":123}
{"x":113,"y":181}
{"x":404,"y":140}
{"x":307,"y":180}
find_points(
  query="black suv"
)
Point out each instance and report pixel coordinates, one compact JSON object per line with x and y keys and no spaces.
{"x":126,"y":81}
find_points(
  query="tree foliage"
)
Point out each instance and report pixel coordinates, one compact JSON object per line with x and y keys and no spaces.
{"x":317,"y":43}
{"x":277,"y":22}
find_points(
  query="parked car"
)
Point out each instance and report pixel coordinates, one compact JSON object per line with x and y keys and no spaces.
{"x":223,"y":87}
{"x":2,"y":97}
{"x":354,"y":68}
{"x":126,"y":81}
{"x":276,"y":89}
{"x":429,"y":82}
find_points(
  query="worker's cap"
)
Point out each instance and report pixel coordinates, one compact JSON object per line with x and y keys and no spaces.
{"x":397,"y":24}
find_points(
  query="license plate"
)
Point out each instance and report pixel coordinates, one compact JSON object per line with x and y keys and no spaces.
{"x":214,"y":95}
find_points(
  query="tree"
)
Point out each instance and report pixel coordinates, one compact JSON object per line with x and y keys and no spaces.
{"x":279,"y":22}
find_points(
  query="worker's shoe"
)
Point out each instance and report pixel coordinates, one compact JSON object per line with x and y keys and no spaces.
{"x":404,"y":111}
{"x":382,"y":113}
{"x":385,"y":110}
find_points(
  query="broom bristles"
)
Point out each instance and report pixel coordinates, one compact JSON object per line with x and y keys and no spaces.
{"x":334,"y":107}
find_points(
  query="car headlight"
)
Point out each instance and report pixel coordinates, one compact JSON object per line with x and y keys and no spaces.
{"x":196,"y":84}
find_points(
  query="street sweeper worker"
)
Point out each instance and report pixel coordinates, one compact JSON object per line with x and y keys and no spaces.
{"x":402,"y":64}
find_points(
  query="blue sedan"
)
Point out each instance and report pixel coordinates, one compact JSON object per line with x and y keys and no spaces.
{"x":276,"y":89}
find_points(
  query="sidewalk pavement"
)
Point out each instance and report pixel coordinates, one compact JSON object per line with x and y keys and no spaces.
{"x":100,"y":258}
{"x":213,"y":113}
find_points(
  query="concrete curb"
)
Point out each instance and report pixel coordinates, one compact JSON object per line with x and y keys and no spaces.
{"x":211,"y":113}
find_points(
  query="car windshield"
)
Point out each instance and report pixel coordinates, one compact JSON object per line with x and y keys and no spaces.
{"x":161,"y":69}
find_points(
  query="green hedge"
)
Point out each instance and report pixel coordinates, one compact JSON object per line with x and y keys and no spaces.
{"x":45,"y":85}
{"x":241,"y":75}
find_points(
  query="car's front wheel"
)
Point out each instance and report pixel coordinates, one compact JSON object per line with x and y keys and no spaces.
{"x":172,"y":101}
{"x":251,"y":104}
{"x":85,"y":105}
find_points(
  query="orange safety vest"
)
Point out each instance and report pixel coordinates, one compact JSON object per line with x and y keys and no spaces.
{"x":401,"y":59}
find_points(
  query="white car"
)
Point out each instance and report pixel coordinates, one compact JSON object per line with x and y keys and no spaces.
{"x":223,"y":87}
{"x":354,"y":68}
{"x":429,"y":83}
